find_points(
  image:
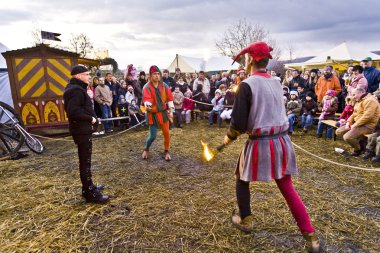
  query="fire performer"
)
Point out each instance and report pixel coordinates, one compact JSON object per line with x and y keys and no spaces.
{"x":268,"y":154}
{"x":82,"y":123}
{"x":158,"y":99}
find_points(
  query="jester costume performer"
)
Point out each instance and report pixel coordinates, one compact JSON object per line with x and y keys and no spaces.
{"x":268,"y":153}
{"x":157,"y":99}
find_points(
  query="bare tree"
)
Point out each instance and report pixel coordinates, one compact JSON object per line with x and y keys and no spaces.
{"x":81,"y":44}
{"x":36,"y":34}
{"x":239,"y":35}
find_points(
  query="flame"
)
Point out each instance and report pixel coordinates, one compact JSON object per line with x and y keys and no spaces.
{"x":208,"y":155}
{"x":235,"y":88}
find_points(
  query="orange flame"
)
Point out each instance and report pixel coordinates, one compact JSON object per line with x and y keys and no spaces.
{"x":235,"y":88}
{"x":208,"y":155}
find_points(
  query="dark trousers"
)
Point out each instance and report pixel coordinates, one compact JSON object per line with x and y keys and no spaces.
{"x":84,"y":144}
{"x":178,"y":114}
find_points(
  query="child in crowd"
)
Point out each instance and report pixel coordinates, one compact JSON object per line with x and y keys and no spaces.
{"x":123,"y":111}
{"x":178,"y":102}
{"x":286,"y":95}
{"x":228,"y":102}
{"x":347,"y":112}
{"x":217,"y":102}
{"x":130,"y":94}
{"x":329,"y":107}
{"x":187,"y":106}
{"x":135,"y":113}
{"x":309,"y":108}
{"x":301,"y":93}
{"x":293,"y":108}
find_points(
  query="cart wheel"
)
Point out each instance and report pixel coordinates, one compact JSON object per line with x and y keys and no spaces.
{"x":11,"y":139}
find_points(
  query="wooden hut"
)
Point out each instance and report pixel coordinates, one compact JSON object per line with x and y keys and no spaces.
{"x":38,"y":77}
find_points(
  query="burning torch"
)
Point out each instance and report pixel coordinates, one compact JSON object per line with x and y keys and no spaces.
{"x":208,"y":154}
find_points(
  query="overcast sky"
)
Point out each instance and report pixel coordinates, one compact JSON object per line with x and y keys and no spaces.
{"x":152,"y":32}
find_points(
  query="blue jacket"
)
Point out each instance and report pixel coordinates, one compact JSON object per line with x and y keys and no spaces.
{"x":372,"y":75}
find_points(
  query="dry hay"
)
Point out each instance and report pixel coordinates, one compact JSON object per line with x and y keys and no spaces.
{"x":184,"y":205}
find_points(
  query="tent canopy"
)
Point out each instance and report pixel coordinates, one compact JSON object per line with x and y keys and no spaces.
{"x":340,"y":55}
{"x":192,"y":64}
{"x":5,"y":87}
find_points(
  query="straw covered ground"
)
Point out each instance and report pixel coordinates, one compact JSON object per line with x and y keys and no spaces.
{"x":181,"y":206}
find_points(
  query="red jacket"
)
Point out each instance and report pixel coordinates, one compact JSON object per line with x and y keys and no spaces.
{"x":347,"y":112}
{"x":188,"y":104}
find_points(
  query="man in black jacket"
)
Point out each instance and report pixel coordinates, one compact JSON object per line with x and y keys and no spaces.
{"x":82,"y":122}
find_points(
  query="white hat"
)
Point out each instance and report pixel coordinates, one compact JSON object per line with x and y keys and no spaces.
{"x":294,"y":92}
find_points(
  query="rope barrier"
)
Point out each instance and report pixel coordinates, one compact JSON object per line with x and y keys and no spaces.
{"x":63,"y":139}
{"x":336,"y":163}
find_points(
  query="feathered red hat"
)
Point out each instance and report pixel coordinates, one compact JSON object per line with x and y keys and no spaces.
{"x":258,"y":51}
{"x":154,"y":69}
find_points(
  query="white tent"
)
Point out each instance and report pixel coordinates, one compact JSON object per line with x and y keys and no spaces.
{"x":5,"y":87}
{"x":340,"y":54}
{"x":192,"y":64}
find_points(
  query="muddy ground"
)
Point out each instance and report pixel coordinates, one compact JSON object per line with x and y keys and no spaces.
{"x":184,"y":205}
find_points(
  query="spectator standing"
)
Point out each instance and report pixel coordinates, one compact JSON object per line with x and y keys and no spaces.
{"x":103,"y":96}
{"x":371,"y":73}
{"x":327,"y":82}
{"x":204,"y":82}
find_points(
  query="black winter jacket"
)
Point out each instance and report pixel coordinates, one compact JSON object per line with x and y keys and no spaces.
{"x":79,"y":108}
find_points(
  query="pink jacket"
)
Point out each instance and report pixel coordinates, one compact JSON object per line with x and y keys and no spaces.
{"x":358,"y":81}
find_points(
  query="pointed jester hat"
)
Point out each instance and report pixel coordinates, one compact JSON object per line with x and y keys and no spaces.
{"x":258,"y":51}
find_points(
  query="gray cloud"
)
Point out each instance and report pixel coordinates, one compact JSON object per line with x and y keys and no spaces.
{"x":192,"y":24}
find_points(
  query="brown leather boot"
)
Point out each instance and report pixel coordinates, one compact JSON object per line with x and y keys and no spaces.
{"x":245,"y":225}
{"x":312,"y":242}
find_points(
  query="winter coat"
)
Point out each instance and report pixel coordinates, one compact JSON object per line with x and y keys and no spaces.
{"x":188,"y":104}
{"x":103,"y":95}
{"x":324,"y":85}
{"x":309,"y":107}
{"x":358,"y":81}
{"x":218,"y":103}
{"x":366,"y":112}
{"x":347,"y":112}
{"x":372,"y":75}
{"x":205,"y":84}
{"x":299,"y":80}
{"x":79,"y":108}
{"x":199,"y":96}
{"x":294,"y":106}
{"x":178,"y":99}
{"x":229,"y":98}
{"x":330,"y":110}
{"x":129,"y":96}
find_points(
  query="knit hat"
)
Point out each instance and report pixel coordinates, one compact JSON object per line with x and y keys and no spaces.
{"x":330,"y":93}
{"x":294,"y":92}
{"x":309,"y":94}
{"x":241,"y":71}
{"x":142,"y":73}
{"x":129,"y":87}
{"x":328,"y":67}
{"x":78,"y":69}
{"x":258,"y":51}
{"x":286,"y":88}
{"x":314,"y":71}
{"x":154,"y":69}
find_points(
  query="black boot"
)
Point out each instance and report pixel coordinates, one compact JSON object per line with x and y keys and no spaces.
{"x":93,"y":195}
{"x":368,"y":154}
{"x":363,"y":144}
{"x":376,"y":159}
{"x":356,"y":152}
